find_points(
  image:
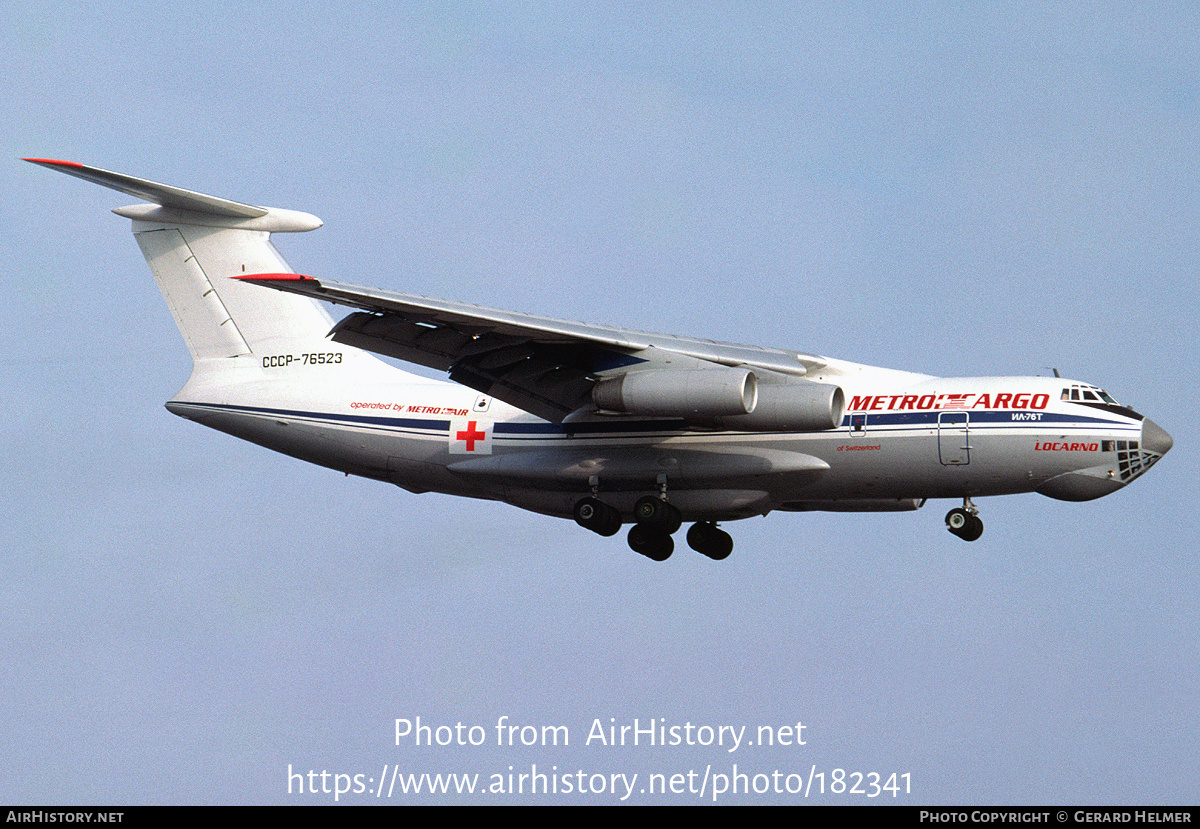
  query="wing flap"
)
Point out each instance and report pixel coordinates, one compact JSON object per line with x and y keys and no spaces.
{"x":435,"y":311}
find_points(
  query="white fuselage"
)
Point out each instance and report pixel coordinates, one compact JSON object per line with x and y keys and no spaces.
{"x":904,"y":438}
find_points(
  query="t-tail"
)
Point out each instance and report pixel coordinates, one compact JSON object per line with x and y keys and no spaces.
{"x":197,"y":246}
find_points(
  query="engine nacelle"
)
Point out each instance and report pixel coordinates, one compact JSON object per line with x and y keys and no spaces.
{"x":794,"y":407}
{"x":694,"y":394}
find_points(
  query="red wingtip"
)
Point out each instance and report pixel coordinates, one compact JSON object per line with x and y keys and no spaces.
{"x":276,"y":277}
{"x":53,"y":162}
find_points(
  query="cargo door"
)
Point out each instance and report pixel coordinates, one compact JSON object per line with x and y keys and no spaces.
{"x":954,"y":445}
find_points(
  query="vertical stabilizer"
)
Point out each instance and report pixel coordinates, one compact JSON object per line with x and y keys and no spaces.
{"x":196,"y":245}
{"x":217,"y":315}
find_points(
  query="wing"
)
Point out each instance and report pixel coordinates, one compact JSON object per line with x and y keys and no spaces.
{"x":545,"y":366}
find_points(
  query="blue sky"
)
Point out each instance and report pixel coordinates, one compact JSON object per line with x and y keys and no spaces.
{"x":957,"y":190}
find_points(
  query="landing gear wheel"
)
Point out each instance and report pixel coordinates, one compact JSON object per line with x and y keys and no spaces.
{"x":974,"y":529}
{"x":650,"y":543}
{"x":706,"y":539}
{"x":597,"y":516}
{"x":657,"y":514}
{"x":957,"y":519}
{"x":966,"y":525}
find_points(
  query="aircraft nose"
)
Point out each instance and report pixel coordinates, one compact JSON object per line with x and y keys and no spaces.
{"x":1154,"y":438}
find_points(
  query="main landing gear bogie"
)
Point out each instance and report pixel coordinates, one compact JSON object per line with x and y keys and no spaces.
{"x":597,"y":516}
{"x":964,"y":521}
{"x":706,"y":539}
{"x":651,"y":543}
{"x":656,"y":520}
{"x":655,"y":513}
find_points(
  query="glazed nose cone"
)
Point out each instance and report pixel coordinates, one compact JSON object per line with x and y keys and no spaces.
{"x":1154,"y":438}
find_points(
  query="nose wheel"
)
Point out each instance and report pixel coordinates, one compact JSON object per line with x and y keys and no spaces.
{"x":964,"y":521}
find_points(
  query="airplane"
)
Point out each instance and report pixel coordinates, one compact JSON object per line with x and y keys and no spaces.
{"x":603,"y":425}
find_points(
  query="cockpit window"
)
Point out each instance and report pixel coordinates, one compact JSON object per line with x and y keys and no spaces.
{"x":1096,"y":398}
{"x":1089,"y":393}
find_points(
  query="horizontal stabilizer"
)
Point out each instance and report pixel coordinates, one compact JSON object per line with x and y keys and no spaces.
{"x":151,"y":191}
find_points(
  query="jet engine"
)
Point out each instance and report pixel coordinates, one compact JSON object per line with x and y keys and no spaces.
{"x":731,"y":398}
{"x":694,"y":394}
{"x":793,"y":407}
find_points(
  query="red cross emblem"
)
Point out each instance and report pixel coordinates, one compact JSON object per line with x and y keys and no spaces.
{"x":470,"y":436}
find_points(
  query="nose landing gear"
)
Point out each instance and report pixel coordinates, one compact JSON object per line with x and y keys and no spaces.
{"x":964,"y":521}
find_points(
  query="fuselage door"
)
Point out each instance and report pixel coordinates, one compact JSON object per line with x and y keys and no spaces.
{"x":954,"y":444}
